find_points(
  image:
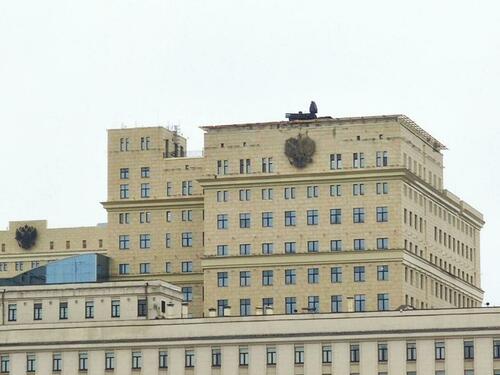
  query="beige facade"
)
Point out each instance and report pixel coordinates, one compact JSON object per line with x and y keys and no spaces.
{"x":450,"y":341}
{"x":380,"y":178}
{"x":51,"y":244}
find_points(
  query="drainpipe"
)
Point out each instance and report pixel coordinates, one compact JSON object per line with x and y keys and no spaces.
{"x":147,"y":302}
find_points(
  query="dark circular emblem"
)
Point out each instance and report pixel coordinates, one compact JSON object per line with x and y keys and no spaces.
{"x":300,"y":150}
{"x":26,"y":236}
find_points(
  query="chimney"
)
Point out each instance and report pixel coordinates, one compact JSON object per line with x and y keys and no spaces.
{"x":350,"y":304}
{"x":212,"y":313}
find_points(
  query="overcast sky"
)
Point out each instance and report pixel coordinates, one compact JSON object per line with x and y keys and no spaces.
{"x":69,"y":70}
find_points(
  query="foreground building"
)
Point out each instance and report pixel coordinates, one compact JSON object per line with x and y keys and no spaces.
{"x":314,"y":246}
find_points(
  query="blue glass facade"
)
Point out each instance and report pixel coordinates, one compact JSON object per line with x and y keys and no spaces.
{"x":85,"y":268}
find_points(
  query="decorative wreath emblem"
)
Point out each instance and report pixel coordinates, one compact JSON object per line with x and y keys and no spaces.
{"x":300,"y":150}
{"x":26,"y":236}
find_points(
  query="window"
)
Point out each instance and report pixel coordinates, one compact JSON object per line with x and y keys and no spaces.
{"x":336,"y":245}
{"x":222,"y":279}
{"x":359,"y":244}
{"x":267,"y":219}
{"x":290,"y":247}
{"x":267,"y":303}
{"x":245,"y":249}
{"x":245,"y":220}
{"x":358,"y":215}
{"x":169,"y":189}
{"x":382,"y":188}
{"x":313,"y":304}
{"x":382,"y":243}
{"x":83,"y":361}
{"x":336,"y":302}
{"x":187,"y":239}
{"x":144,"y":268}
{"x":189,"y":358}
{"x":354,"y":353}
{"x":290,"y":277}
{"x":187,"y":266}
{"x":299,"y":355}
{"x":267,"y":277}
{"x":359,"y":302}
{"x":145,"y":190}
{"x":290,"y":305}
{"x":496,"y":349}
{"x":312,"y":217}
{"x":439,"y":350}
{"x":245,"y":195}
{"x":267,"y":248}
{"x":109,"y":361}
{"x":124,"y":192}
{"x":168,"y":216}
{"x":124,"y":144}
{"x":245,"y":306}
{"x":37,"y":311}
{"x":469,"y":372}
{"x":19,"y":266}
{"x":145,"y":142}
{"x":144,"y":217}
{"x":187,"y":188}
{"x":222,"y":167}
{"x":382,"y":353}
{"x":168,"y":240}
{"x":124,"y":173}
{"x":168,"y":267}
{"x":222,"y":221}
{"x":136,"y":360}
{"x":335,"y":216}
{"x":411,"y":351}
{"x":115,"y":308}
{"x":187,"y":293}
{"x":4,"y":364}
{"x":313,"y":275}
{"x":142,"y":307}
{"x":358,"y":160}
{"x":468,"y":349}
{"x":12,"y":313}
{"x":245,"y":166}
{"x":244,"y":278}
{"x":382,"y":159}
{"x":271,"y":356}
{"x":63,"y":310}
{"x":222,"y":250}
{"x":56,"y":362}
{"x":123,"y":218}
{"x":223,"y":196}
{"x":145,"y":241}
{"x":187,"y":215}
{"x":124,"y":269}
{"x":383,"y":273}
{"x":244,"y":356}
{"x":312,"y":192}
{"x":383,"y":302}
{"x":335,"y":190}
{"x":145,"y":172}
{"x":290,"y":218}
{"x":30,"y":362}
{"x":358,"y":189}
{"x":162,"y":359}
{"x":267,"y":194}
{"x":312,"y":246}
{"x":216,"y":357}
{"x":89,"y":309}
{"x":221,"y":305}
{"x":289,"y":193}
{"x":382,"y":214}
{"x":267,"y":165}
{"x":326,"y":354}
{"x":335,"y":161}
{"x":124,"y":242}
{"x":336,"y":274}
{"x":359,"y":273}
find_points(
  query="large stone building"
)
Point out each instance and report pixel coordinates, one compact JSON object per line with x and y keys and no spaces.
{"x":336,"y":220}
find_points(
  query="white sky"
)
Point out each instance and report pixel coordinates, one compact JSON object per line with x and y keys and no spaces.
{"x":71,"y":69}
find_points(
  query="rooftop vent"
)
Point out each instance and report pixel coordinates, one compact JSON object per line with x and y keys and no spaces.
{"x":313,"y":109}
